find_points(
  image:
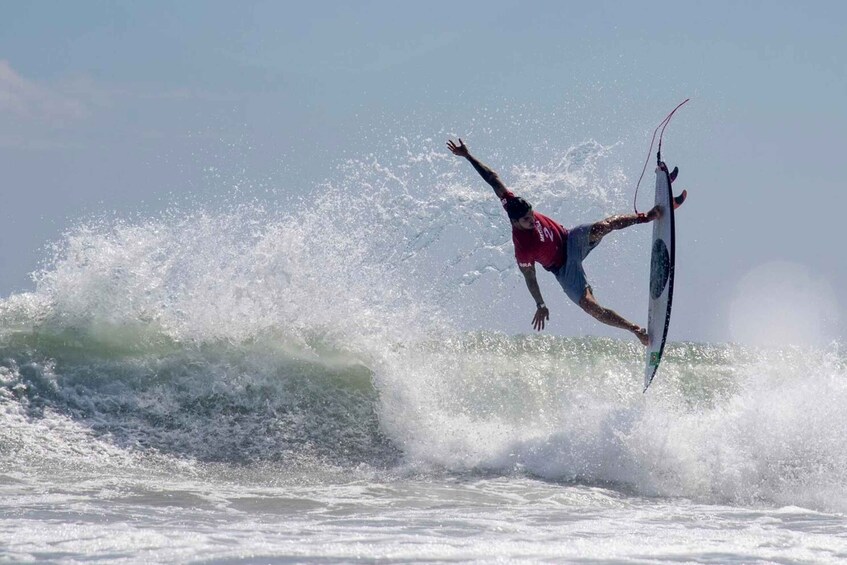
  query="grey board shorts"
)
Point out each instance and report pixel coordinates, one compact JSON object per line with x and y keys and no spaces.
{"x":571,"y":275}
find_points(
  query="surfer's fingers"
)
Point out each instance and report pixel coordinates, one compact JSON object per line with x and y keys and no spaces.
{"x":538,"y":322}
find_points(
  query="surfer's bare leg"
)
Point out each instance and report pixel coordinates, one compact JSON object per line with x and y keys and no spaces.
{"x":610,"y":317}
{"x":604,"y":227}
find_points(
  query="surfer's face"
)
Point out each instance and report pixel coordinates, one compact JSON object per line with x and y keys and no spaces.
{"x":525,"y":222}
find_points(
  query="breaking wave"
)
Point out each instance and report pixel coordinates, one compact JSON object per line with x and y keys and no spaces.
{"x":339,"y":331}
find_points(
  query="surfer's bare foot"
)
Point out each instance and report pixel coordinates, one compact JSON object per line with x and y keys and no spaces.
{"x":656,"y":211}
{"x":641,"y":334}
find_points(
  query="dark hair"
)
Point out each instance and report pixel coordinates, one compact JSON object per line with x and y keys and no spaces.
{"x":517,"y":208}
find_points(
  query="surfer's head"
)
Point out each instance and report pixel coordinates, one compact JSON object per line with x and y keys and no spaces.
{"x":520,"y":213}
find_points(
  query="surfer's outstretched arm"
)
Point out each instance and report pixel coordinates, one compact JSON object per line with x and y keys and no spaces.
{"x":487,"y":174}
{"x":542,"y":314}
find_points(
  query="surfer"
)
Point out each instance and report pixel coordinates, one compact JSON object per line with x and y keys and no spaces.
{"x":540,"y":239}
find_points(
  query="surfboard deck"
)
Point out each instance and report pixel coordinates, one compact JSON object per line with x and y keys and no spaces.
{"x":662,"y":258}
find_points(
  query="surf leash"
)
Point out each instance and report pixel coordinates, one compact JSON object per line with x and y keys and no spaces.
{"x":663,"y":124}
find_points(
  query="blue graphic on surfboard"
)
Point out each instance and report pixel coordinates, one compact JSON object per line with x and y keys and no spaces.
{"x":661,"y":274}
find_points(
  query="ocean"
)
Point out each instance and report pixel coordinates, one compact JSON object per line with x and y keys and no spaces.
{"x":317,"y":382}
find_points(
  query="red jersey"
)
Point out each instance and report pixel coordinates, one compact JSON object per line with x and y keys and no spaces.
{"x":545,"y":244}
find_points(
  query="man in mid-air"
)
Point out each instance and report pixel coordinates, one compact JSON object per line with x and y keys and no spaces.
{"x":537,"y":238}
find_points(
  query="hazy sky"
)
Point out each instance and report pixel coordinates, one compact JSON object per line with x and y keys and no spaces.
{"x":125,"y":106}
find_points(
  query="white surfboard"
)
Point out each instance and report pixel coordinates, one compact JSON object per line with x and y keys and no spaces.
{"x":661,"y":275}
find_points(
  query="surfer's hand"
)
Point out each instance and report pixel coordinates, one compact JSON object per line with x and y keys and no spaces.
{"x":541,"y":315}
{"x":460,"y":150}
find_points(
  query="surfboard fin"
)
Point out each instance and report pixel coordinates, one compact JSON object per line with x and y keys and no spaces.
{"x":674,"y":173}
{"x":679,"y":199}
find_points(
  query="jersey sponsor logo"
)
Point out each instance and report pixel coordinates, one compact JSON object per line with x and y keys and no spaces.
{"x":544,"y":233}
